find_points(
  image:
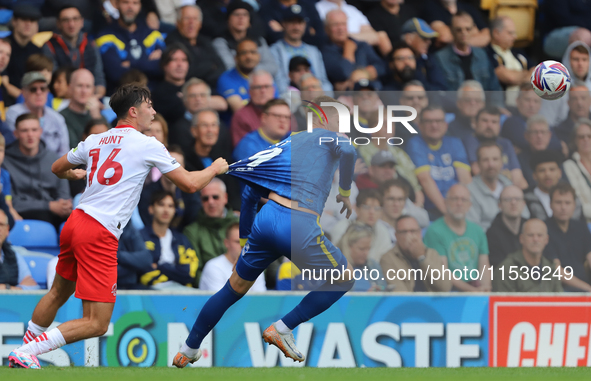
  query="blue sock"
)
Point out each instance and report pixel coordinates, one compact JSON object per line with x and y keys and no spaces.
{"x":211,"y":313}
{"x":316,"y":302}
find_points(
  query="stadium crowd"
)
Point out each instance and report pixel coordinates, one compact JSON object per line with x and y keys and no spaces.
{"x":496,"y":176}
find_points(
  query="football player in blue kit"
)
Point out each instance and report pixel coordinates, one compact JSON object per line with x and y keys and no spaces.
{"x":295,"y":175}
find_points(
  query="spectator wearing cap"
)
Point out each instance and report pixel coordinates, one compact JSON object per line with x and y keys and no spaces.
{"x":511,"y":65}
{"x":379,"y":143}
{"x":461,"y":60}
{"x":439,"y":14}
{"x":272,"y":15}
{"x":383,"y":168}
{"x":25,"y":24}
{"x":55,"y":131}
{"x":357,"y":25}
{"x":347,"y":60}
{"x":215,"y":18}
{"x":486,"y":188}
{"x":204,"y":61}
{"x":71,"y":47}
{"x":389,"y":16}
{"x":419,"y":36}
{"x":234,"y":84}
{"x":275,"y":126}
{"x":294,"y":25}
{"x":403,"y":68}
{"x":298,"y":67}
{"x":129,"y":43}
{"x":239,"y":13}
{"x":547,"y":173}
{"x":441,"y":160}
{"x":488,"y":127}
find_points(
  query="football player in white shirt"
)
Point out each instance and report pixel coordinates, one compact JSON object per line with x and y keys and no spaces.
{"x":117,"y":163}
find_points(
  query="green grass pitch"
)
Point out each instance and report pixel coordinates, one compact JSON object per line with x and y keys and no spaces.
{"x":288,"y":374}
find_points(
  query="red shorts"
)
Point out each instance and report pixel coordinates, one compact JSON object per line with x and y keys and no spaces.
{"x":88,"y":256}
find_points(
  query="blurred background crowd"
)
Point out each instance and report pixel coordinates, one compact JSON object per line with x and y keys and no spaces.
{"x":496,"y":176}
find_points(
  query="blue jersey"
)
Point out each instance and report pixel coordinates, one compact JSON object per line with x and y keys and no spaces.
{"x":298,"y":168}
{"x":441,"y":161}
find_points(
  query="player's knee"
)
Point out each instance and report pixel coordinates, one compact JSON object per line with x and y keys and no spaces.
{"x":98,"y":328}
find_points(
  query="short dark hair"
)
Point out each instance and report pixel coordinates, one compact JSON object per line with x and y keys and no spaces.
{"x":38,"y":62}
{"x":23,"y":117}
{"x":544,"y":156}
{"x":128,"y":96}
{"x":490,"y":110}
{"x":170,"y":50}
{"x":175,"y":148}
{"x":399,"y":183}
{"x":404,"y":217}
{"x":160,"y":195}
{"x":487,"y":145}
{"x":67,"y":6}
{"x":273,"y":103}
{"x":563,"y":188}
{"x":95,"y":122}
{"x":366,"y":194}
{"x":247,"y":39}
{"x":580,"y":49}
{"x":233,"y":225}
{"x":431,"y":107}
{"x":65,"y":70}
{"x":398,"y":46}
{"x":460,"y":14}
{"x":133,"y":76}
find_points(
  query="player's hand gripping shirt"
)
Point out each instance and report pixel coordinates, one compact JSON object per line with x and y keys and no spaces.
{"x":299,"y":168}
{"x":117,"y":163}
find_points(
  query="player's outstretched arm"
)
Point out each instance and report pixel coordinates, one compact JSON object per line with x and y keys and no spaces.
{"x":191,"y":182}
{"x":63,"y":169}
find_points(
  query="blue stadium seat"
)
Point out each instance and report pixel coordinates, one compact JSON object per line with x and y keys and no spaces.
{"x":35,"y":235}
{"x":37,"y":263}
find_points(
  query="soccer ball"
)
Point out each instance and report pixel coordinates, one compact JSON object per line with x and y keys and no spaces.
{"x":550,"y":80}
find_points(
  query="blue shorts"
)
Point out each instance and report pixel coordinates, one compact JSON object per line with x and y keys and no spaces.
{"x":281,"y":231}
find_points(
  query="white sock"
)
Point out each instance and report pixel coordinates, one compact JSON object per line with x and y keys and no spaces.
{"x":33,"y":330}
{"x":281,"y":327}
{"x":188,"y":351}
{"x":46,"y":342}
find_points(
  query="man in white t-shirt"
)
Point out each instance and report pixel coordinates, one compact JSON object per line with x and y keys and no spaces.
{"x":117,"y":164}
{"x":217,"y":271}
{"x":358,"y":25}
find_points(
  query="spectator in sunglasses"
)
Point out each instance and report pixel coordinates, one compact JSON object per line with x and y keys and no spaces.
{"x":208,"y":232}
